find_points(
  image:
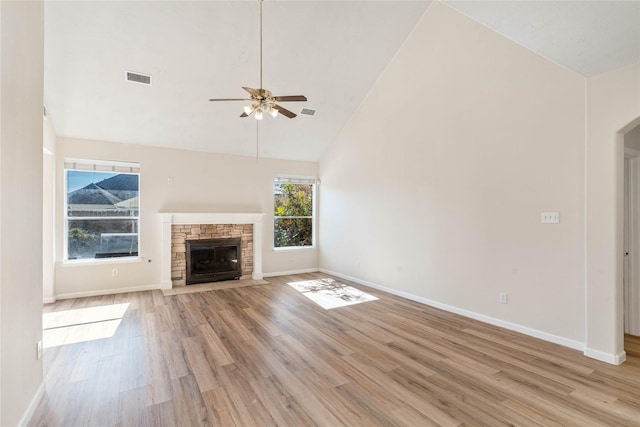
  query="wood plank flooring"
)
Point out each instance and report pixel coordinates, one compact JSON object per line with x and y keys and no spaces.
{"x":266,"y":355}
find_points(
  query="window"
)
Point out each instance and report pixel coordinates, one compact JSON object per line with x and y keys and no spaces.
{"x":101,"y":213}
{"x":293,"y":212}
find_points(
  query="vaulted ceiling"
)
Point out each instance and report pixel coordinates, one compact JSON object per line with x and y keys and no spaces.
{"x":330,"y":51}
{"x":588,"y":37}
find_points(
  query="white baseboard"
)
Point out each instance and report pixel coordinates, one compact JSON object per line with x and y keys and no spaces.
{"x":286,"y":273}
{"x":614,"y":359}
{"x":101,"y":292}
{"x":31,"y":409}
{"x":576,"y":345}
{"x":49,"y":300}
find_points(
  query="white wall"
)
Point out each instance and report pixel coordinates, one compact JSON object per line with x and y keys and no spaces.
{"x":48,"y":211}
{"x":203,"y":182}
{"x":435,"y":186}
{"x":613,"y":108}
{"x":21,"y":77}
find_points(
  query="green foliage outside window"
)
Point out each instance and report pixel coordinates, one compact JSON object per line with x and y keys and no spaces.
{"x":82,"y":242}
{"x":293,"y":225}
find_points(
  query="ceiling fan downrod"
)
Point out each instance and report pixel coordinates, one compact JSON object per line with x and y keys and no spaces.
{"x":262,"y":100}
{"x":260,"y":2}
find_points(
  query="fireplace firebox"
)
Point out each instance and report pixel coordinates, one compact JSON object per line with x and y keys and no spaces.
{"x":213,"y":260}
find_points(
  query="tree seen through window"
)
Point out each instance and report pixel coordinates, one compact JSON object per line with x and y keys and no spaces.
{"x":293,"y":214}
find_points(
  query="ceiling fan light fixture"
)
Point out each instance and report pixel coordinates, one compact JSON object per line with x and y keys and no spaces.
{"x":248,"y":109}
{"x":259,"y":114}
{"x":273,"y":111}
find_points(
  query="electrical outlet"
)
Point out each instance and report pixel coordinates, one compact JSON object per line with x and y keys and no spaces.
{"x":114,"y":272}
{"x":503,"y":298}
{"x":170,"y":180}
{"x":39,"y":350}
{"x":550,"y":217}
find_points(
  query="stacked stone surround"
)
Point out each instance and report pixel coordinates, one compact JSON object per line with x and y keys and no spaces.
{"x":180,"y":233}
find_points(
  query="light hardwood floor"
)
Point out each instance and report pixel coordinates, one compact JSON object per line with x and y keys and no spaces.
{"x":266,"y":355}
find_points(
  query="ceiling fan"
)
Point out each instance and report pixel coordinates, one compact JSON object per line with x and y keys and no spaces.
{"x":262,"y":100}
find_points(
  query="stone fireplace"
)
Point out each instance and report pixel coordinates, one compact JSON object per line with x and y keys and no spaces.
{"x":178,"y":229}
{"x":204,"y":238}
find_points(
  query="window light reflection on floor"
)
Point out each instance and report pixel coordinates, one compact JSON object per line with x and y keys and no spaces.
{"x":82,"y":324}
{"x":329,"y":293}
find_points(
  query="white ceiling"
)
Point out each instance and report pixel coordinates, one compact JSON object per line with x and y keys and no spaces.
{"x":330,"y":51}
{"x":588,"y":37}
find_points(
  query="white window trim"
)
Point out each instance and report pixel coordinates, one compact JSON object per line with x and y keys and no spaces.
{"x":119,"y":167}
{"x":299,"y":179}
{"x":294,"y":248}
{"x":102,"y":261}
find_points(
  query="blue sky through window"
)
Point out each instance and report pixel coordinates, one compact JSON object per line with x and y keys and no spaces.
{"x":78,"y":179}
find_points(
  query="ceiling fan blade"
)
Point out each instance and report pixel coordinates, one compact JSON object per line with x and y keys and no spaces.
{"x":290,"y":98}
{"x":229,"y":99}
{"x":244,"y":115}
{"x":252,"y":92}
{"x":284,"y":111}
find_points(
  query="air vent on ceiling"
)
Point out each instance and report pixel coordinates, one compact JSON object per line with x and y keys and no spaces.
{"x":144,"y":79}
{"x":308,"y":112}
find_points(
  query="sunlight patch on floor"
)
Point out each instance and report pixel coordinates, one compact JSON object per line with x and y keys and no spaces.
{"x":83,"y":324}
{"x":329,"y":293}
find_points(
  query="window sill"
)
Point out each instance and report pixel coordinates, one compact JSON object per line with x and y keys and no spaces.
{"x":103,"y":261}
{"x":295,"y":248}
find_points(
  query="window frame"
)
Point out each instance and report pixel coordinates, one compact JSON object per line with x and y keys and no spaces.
{"x":302,"y":180}
{"x":106,"y":166}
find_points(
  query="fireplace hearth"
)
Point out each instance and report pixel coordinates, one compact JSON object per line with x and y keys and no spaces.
{"x":213,"y":260}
